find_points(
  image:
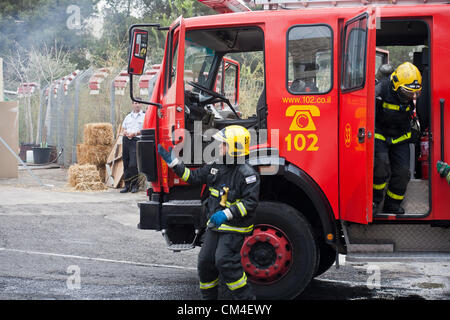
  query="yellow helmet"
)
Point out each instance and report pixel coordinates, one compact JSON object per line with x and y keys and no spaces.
{"x":407,"y":80}
{"x":237,"y":138}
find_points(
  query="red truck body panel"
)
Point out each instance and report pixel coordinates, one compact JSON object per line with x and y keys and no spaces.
{"x":327,"y":149}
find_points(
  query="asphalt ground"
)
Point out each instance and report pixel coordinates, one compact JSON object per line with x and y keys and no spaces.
{"x":60,"y":244}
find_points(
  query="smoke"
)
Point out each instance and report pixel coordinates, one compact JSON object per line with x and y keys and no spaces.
{"x":45,"y":22}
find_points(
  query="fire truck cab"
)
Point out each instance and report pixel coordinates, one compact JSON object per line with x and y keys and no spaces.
{"x":303,"y":82}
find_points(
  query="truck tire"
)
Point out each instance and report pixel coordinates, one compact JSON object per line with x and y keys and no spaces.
{"x":327,"y":258}
{"x":280,"y":257}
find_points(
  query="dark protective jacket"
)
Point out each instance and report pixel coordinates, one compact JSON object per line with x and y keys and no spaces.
{"x":392,"y":118}
{"x":243,"y":195}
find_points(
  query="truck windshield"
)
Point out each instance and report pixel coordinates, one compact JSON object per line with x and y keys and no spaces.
{"x":205,"y":50}
{"x":197,"y":64}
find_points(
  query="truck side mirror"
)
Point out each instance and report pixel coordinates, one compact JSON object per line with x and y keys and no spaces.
{"x":229,"y":79}
{"x":137,"y":51}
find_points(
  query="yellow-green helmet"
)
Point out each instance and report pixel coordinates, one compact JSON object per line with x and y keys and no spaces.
{"x":237,"y":138}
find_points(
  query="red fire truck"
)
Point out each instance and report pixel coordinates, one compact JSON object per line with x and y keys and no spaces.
{"x":306,"y":92}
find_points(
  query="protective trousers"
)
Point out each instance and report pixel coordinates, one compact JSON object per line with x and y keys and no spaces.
{"x":129,"y":161}
{"x":390,"y":160}
{"x":220,"y":256}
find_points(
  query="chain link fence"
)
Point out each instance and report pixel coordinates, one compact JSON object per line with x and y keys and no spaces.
{"x":60,"y":111}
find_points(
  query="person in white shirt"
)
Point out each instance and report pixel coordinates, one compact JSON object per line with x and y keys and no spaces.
{"x":131,"y":128}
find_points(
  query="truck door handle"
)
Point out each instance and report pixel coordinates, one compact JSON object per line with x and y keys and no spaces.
{"x":361,"y":135}
{"x":172,"y":130}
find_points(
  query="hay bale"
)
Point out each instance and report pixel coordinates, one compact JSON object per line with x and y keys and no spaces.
{"x":81,"y":173}
{"x":81,"y":154}
{"x":90,"y":186}
{"x":85,"y":177}
{"x":102,"y":172}
{"x":96,"y":154}
{"x":98,"y":134}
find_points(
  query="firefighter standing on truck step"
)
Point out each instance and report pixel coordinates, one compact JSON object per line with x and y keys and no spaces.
{"x":233,"y":188}
{"x":394,"y":110}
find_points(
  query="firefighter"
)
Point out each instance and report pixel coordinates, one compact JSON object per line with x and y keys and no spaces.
{"x":394,"y":111}
{"x":233,"y":188}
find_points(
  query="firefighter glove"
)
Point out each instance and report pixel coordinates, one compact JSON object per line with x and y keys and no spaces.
{"x":167,"y":156}
{"x":218,"y":218}
{"x":443,"y":168}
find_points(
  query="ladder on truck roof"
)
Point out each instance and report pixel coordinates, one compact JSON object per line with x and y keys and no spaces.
{"x":229,"y":6}
{"x":302,"y":4}
{"x":226,"y":6}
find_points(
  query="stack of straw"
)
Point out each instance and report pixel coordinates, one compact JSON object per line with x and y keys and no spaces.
{"x":85,"y":177}
{"x":98,"y":142}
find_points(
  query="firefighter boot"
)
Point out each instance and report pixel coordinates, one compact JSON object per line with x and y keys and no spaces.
{"x":244,"y":293}
{"x":207,"y":272}
{"x":392,"y":206}
{"x":375,"y":207}
{"x":209,"y":290}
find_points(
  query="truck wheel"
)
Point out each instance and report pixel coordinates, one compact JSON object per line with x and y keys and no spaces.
{"x":280,"y":256}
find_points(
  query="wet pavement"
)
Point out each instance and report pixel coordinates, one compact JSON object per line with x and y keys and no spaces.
{"x":59,"y":244}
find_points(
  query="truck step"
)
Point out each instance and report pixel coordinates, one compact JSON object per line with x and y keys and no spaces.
{"x":178,"y":247}
{"x":181,"y":247}
{"x":406,"y":257}
{"x":389,"y":238}
{"x":370,"y":248}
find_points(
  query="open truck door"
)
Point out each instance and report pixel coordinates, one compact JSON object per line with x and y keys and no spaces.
{"x":172,"y":113}
{"x":167,"y":112}
{"x":356,"y":117}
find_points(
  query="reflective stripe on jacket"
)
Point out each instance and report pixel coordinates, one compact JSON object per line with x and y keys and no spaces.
{"x":392,"y":118}
{"x":242,"y":197}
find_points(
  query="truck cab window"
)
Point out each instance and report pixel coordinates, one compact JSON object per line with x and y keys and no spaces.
{"x":173,"y":69}
{"x":354,"y":68}
{"x":197,"y":63}
{"x":309,"y":59}
{"x":217,"y":90}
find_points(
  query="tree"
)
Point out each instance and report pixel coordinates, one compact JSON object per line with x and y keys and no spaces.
{"x":120,"y":14}
{"x":400,"y":54}
{"x":19,"y":63}
{"x":42,"y":65}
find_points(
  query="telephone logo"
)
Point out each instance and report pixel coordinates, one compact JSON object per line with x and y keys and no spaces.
{"x":302,"y":117}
